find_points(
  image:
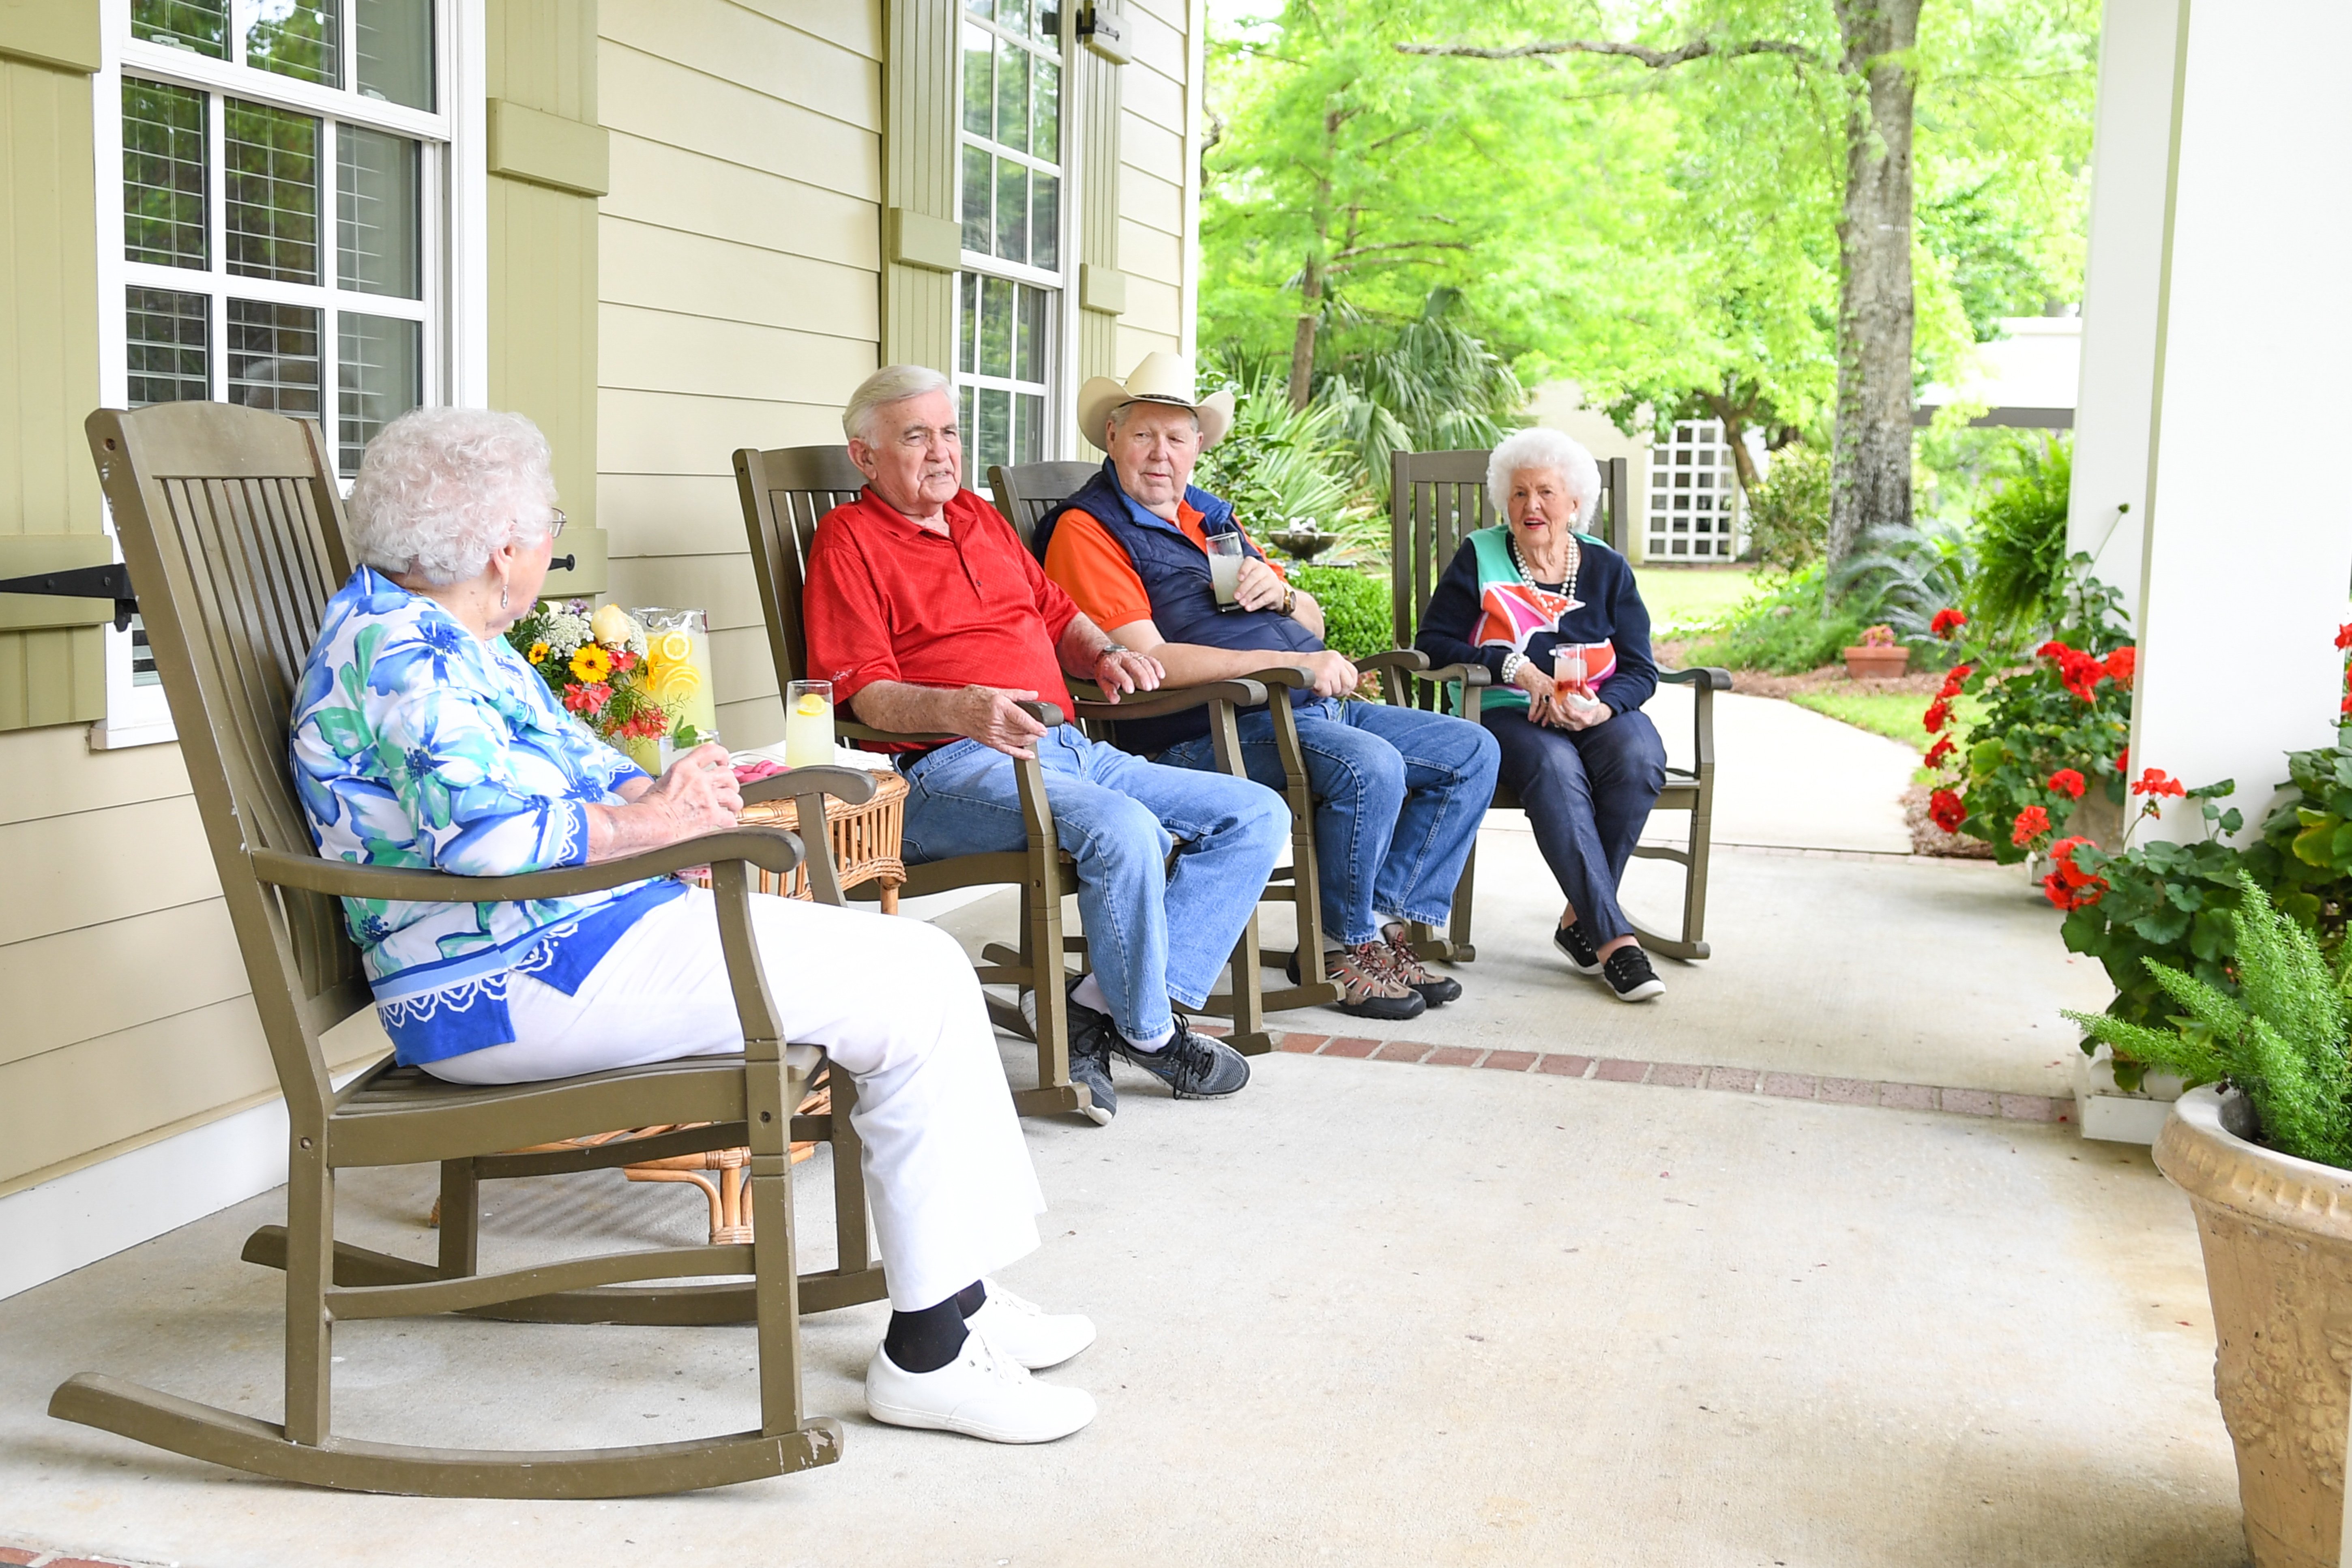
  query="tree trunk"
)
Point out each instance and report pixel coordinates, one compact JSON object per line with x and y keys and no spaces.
{"x":1735,"y":433}
{"x":1869,"y":460}
{"x":1310,"y":317}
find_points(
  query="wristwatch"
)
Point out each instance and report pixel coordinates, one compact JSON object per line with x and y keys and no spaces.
{"x":1290,"y":598}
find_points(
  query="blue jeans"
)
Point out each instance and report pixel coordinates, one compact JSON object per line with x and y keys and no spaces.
{"x":1154,"y":935}
{"x":1587,"y":793}
{"x":1399,"y":795}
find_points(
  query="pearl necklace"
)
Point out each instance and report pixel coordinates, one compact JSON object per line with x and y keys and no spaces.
{"x":1575,"y":564}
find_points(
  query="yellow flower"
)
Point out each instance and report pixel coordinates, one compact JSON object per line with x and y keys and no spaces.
{"x":538,"y":652}
{"x":590,"y":664}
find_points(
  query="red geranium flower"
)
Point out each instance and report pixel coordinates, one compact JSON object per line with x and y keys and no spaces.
{"x":2343,"y":636}
{"x":1942,"y":749}
{"x":2123,"y":762}
{"x":588,"y":697}
{"x":1947,"y":810}
{"x":2122,"y":665}
{"x":2077,"y":886}
{"x":2053,"y":649}
{"x":2068,"y":783}
{"x":2155,"y":781}
{"x":2070,"y":899}
{"x":1960,"y":672}
{"x":1946,"y":622}
{"x":1938,"y":712}
{"x":2031,"y":824}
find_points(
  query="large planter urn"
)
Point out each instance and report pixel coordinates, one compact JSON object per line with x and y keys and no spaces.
{"x":2277,"y":1235}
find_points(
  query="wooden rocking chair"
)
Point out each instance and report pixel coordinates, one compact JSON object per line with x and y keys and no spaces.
{"x":232,"y":525}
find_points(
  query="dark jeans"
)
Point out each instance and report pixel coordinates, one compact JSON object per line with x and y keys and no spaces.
{"x":1587,"y":793}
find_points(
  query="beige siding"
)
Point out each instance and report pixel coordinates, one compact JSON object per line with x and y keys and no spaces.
{"x":1155,"y":225}
{"x":741,"y":288}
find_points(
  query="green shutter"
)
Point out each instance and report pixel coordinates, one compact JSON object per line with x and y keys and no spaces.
{"x":921,"y":237}
{"x":49,"y":343}
{"x":546,"y":164}
{"x":1102,"y":291}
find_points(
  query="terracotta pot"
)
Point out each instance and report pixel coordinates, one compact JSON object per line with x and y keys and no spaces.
{"x":2277,"y":1235}
{"x":1870,"y":663}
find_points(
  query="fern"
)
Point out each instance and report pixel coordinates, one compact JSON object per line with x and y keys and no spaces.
{"x":2282,"y":1040}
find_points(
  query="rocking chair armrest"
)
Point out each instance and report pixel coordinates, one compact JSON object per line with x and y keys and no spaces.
{"x":1705,"y":677}
{"x":1411,"y":660}
{"x":1168,"y":700}
{"x":1046,"y":713}
{"x":769,"y":848}
{"x":1468,"y":674}
{"x":855,"y":785}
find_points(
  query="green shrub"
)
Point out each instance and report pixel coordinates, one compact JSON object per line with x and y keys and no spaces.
{"x":1789,"y":514}
{"x":2020,"y":583}
{"x":1900,"y":577}
{"x":1355,"y":607}
{"x":1787,"y":628}
{"x":1279,"y":466}
{"x":2280,"y":1039}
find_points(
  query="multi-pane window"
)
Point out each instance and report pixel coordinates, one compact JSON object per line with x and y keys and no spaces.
{"x":280,"y":172}
{"x":272,"y":219}
{"x":1010,"y":177}
{"x":1693,"y":491}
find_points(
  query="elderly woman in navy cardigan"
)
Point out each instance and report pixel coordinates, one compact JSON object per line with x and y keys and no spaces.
{"x":1553,"y":615}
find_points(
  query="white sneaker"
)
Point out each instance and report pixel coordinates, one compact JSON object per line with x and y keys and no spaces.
{"x":981,"y":1394}
{"x":1024,"y":1331}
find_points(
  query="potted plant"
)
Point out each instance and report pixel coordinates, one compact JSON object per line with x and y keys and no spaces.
{"x":1878,"y":657}
{"x":2263,"y":1152}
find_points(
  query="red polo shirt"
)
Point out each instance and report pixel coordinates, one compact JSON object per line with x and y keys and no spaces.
{"x":888,"y":599}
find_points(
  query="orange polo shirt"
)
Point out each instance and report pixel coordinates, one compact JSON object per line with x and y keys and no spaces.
{"x":1093,"y":568}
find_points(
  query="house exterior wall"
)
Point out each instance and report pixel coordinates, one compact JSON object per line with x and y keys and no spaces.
{"x":725,"y":291}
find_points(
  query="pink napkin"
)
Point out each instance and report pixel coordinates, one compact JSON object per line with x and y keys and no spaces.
{"x":747,"y":773}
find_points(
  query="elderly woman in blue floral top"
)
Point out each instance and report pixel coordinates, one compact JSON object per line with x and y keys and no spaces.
{"x":421,"y":739}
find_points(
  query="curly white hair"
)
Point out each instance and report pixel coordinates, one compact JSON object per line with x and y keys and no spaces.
{"x":1538,"y":447}
{"x":440,"y":491}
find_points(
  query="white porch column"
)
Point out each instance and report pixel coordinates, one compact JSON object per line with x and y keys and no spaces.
{"x":2246,"y":543}
{"x":2130,"y":160}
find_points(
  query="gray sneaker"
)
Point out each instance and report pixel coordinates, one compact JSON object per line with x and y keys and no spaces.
{"x":1091,"y":1033}
{"x":1194,"y":1066}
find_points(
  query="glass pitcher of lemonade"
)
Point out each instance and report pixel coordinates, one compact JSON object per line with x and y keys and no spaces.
{"x":678,"y":669}
{"x":808,"y":723}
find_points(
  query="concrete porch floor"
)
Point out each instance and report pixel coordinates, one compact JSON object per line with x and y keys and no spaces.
{"x":1365,"y":1312}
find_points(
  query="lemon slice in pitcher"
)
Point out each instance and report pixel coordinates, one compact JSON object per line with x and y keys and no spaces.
{"x":672,"y":646}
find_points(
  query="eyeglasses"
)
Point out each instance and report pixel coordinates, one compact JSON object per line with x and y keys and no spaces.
{"x":555,"y":529}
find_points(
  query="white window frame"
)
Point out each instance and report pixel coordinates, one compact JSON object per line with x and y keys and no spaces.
{"x":1061,"y":356}
{"x":1657,"y":522}
{"x":456,"y":303}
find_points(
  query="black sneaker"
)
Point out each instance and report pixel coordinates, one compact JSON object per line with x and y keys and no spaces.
{"x":1629,"y":976}
{"x":1194,"y":1066}
{"x":1091,"y":1033}
{"x":1577,"y":943}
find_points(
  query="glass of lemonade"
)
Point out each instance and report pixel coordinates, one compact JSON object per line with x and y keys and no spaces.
{"x":808,"y":723}
{"x":1225,"y":556}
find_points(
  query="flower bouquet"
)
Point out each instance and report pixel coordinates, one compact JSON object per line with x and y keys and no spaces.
{"x":598,"y":665}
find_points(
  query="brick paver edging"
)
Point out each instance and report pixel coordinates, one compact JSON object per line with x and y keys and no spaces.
{"x":1689,"y":1075}
{"x":33,"y":1557}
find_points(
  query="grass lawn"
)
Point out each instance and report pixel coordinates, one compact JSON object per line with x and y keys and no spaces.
{"x":1680,"y":598}
{"x":1894,"y":714}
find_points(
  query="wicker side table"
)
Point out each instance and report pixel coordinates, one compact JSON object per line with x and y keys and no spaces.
{"x":864,"y":840}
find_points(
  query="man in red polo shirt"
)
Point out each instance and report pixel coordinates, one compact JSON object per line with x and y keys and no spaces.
{"x":928,"y":616}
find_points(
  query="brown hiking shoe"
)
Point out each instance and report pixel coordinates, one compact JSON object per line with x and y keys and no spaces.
{"x":1367,"y":988}
{"x":1405,"y":964}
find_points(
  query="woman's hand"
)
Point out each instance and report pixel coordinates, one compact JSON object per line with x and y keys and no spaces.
{"x":698,"y":794}
{"x":1580,"y":711}
{"x":1530,"y":678}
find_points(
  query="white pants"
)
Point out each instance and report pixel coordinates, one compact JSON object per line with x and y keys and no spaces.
{"x":894,"y":1003}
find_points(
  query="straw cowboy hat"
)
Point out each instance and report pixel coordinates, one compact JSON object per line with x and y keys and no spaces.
{"x":1160,"y":378}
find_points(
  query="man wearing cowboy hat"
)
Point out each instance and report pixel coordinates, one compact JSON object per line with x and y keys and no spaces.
{"x":930,"y":617}
{"x":1400,"y":793}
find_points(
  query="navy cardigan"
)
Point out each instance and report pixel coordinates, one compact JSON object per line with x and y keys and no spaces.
{"x":1612,"y":612}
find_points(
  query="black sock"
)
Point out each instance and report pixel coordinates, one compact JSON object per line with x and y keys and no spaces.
{"x":924,"y":1340}
{"x":971,"y":1298}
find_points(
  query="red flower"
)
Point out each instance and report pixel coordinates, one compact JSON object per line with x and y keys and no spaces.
{"x":2123,"y":762}
{"x":1938,"y":712}
{"x":2031,"y":824}
{"x":2343,"y":636}
{"x":2070,"y":899}
{"x":1948,"y":810}
{"x":2122,"y":665}
{"x":2068,"y":885}
{"x":588,"y":697}
{"x":1960,"y":672}
{"x":1946,"y":622}
{"x":1943,"y":747}
{"x":624,"y":661}
{"x":2155,"y":781}
{"x":2053,"y":649}
{"x":2068,"y":783}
